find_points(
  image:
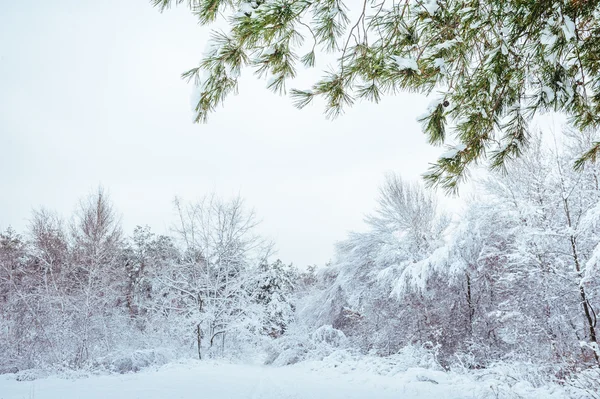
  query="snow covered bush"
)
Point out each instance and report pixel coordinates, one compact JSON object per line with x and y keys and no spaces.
{"x":586,"y":382}
{"x":300,"y":344}
{"x":126,"y":362}
{"x":290,"y":348}
{"x":328,"y":335}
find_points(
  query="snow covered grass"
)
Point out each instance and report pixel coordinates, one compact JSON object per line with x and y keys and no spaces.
{"x":340,"y":375}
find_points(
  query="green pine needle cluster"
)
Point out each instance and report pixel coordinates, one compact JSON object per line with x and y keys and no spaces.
{"x":493,"y":64}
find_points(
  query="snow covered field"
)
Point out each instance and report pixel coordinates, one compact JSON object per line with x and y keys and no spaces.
{"x":219,"y":380}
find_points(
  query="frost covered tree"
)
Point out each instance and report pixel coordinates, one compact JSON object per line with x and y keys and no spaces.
{"x":147,"y":256}
{"x":213,"y":288}
{"x":552,"y":215}
{"x":491,"y":64}
{"x":80,"y":294}
{"x":12,"y":253}
{"x":520,"y":262}
{"x":14,"y":315}
{"x":513,"y":276}
{"x":391,"y":257}
{"x":275,"y":286}
{"x":50,"y":287}
{"x":69,"y":288}
{"x":97,"y":273}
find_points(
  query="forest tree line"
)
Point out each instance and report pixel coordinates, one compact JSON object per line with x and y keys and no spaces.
{"x":511,"y":276}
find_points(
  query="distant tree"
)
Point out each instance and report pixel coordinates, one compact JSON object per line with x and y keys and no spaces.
{"x":552,"y":231}
{"x":275,"y":287}
{"x":15,"y":316}
{"x":492,"y":64}
{"x":375,"y":280}
{"x":98,"y":272}
{"x":147,"y":257}
{"x":213,"y":288}
{"x":521,"y":263}
{"x":12,"y":261}
{"x":50,"y":288}
{"x":50,"y":250}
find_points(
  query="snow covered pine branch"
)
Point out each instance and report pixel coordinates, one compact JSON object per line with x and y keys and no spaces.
{"x":492,"y":65}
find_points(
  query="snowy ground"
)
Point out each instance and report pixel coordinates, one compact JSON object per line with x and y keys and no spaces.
{"x":315,"y":380}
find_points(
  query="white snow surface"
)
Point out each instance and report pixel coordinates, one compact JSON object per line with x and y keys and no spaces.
{"x":407,"y":63}
{"x":568,"y":28}
{"x":339,"y":376}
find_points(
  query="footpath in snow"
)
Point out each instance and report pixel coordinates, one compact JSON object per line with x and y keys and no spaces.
{"x":308,"y":380}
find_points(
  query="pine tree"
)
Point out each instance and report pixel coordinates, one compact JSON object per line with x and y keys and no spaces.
{"x":274,"y":294}
{"x":492,"y":64}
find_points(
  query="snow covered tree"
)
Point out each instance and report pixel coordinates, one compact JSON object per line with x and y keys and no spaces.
{"x":213,"y":288}
{"x":524,"y":252}
{"x":274,"y":294}
{"x":51,"y":251}
{"x":514,"y":277}
{"x":70,"y":286}
{"x":15,"y":317}
{"x":555,"y":210}
{"x":97,"y":273}
{"x":492,"y":64}
{"x":147,"y":256}
{"x":12,"y":254}
{"x":50,"y":288}
{"x":392,"y":256}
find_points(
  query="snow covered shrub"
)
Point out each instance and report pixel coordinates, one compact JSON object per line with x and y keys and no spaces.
{"x":126,"y":362}
{"x":510,"y":373}
{"x":424,"y":356}
{"x":9,"y":370}
{"x":299,"y":345}
{"x":586,"y":382}
{"x":329,"y":336}
{"x":290,"y":348}
{"x":287,"y":357}
{"x":31,"y":374}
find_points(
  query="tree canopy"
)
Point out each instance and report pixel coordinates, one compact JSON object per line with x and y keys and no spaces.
{"x":491,"y":65}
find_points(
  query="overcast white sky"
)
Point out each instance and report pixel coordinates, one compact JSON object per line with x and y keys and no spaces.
{"x":90,"y":94}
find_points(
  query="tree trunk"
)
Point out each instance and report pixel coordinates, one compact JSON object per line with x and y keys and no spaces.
{"x":199,"y":337}
{"x":591,"y":324}
{"x":223,"y":345}
{"x":470,"y":303}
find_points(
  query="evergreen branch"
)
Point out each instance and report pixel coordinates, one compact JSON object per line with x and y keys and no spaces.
{"x":589,"y":156}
